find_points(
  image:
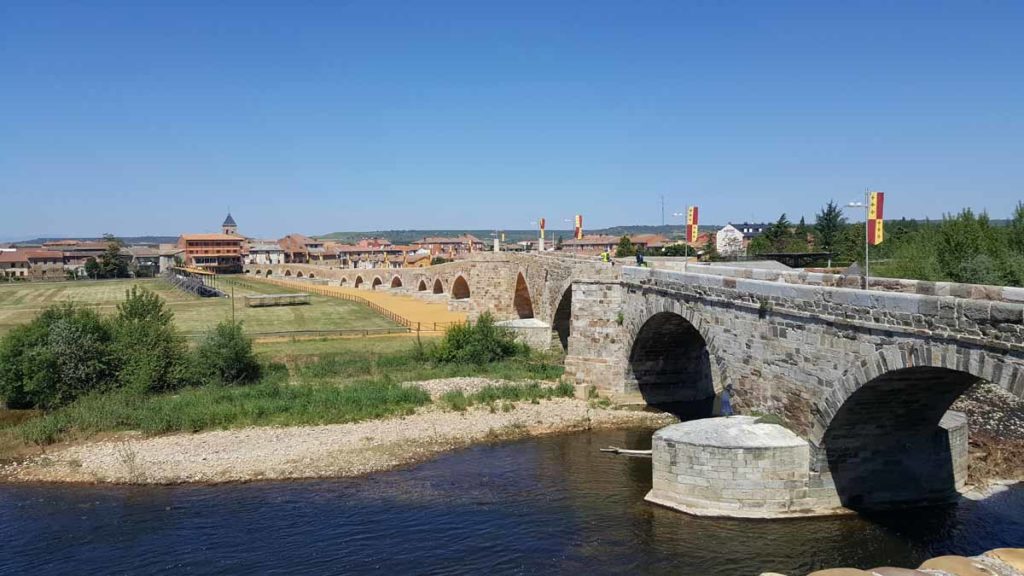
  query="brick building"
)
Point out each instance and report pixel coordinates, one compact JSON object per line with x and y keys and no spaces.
{"x":219,"y":253}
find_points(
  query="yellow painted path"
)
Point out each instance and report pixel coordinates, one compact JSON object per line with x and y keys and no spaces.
{"x":406,"y":310}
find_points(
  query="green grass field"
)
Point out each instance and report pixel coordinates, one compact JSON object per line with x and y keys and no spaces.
{"x":21,"y":302}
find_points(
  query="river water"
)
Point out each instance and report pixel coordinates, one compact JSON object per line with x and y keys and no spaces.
{"x":548,"y":505}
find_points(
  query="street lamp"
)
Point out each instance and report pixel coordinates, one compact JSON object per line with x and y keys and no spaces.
{"x":866,"y":205}
{"x":686,"y":240}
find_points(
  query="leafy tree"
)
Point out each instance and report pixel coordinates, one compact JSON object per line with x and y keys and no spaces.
{"x":225,"y":356}
{"x":681,"y":249}
{"x":150,"y":354}
{"x":92,"y":268}
{"x":61,"y":355}
{"x":111,"y":264}
{"x":710,"y":251}
{"x":760,"y":245}
{"x":625,"y":248}
{"x":828,"y":225}
{"x":960,"y":239}
{"x":143,"y":305}
{"x":1015,"y":230}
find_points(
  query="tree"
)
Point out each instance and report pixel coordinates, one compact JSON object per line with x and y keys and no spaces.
{"x":226,"y":355}
{"x":829,"y":224}
{"x":778,"y":232}
{"x":558,"y":242}
{"x":111,"y":264}
{"x":1016,"y":230}
{"x":92,"y":268}
{"x":625,"y":248}
{"x":680,"y":249}
{"x":710,"y":252}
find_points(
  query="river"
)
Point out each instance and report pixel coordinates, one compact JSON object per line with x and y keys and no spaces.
{"x":543,"y":505}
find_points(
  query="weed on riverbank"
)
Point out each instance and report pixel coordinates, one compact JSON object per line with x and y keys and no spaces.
{"x":505,"y":394}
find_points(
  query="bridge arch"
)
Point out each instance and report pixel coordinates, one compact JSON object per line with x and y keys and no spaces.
{"x":359,"y":282}
{"x":287,"y":272}
{"x":269,"y":273}
{"x":879,"y":432}
{"x":460,"y":288}
{"x":561,"y":321}
{"x":298,"y":274}
{"x":258,"y":272}
{"x":672,"y":366}
{"x":521,"y":301}
{"x":376,"y":282}
{"x":311,"y":275}
{"x":396,"y":282}
{"x":438,"y":286}
{"x":422,"y":287}
{"x":343,"y":282}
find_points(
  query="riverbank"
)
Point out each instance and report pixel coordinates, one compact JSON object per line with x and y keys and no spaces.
{"x":340,"y":450}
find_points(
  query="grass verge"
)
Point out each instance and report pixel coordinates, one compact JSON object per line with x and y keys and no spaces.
{"x":505,"y":393}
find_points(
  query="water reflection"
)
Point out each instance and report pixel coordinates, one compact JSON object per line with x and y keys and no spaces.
{"x":551,"y":505}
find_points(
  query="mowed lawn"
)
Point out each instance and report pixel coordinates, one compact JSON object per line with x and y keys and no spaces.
{"x":21,"y":302}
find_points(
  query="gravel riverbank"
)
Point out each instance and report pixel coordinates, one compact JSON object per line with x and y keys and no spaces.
{"x":338,"y":450}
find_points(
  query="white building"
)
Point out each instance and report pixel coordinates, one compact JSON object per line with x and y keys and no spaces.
{"x":729,"y":241}
{"x":265,"y":252}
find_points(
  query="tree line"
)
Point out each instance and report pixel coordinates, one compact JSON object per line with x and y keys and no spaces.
{"x":963,"y":247}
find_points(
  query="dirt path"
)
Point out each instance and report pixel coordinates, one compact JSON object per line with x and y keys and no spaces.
{"x":311,"y":451}
{"x":426,"y":313}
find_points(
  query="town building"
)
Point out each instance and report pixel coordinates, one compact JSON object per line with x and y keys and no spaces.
{"x":299,"y":249}
{"x":751,"y":231}
{"x":218,"y":253}
{"x":143,"y":261}
{"x":171,"y":256}
{"x":598,"y":243}
{"x":450,"y":248}
{"x":264,"y":252}
{"x":729,"y":241}
{"x":13,"y":264}
{"x":229,"y":227}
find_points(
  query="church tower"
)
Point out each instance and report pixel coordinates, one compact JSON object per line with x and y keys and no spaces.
{"x":229,"y":227}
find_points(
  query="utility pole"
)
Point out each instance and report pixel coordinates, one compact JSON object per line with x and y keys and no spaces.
{"x":663,"y":210}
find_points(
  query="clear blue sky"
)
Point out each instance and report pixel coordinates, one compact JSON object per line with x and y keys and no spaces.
{"x":134,"y":117}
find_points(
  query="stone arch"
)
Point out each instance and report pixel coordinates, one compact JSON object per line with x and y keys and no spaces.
{"x":269,"y":272}
{"x":521,"y":301}
{"x":311,"y":275}
{"x":883,"y":432}
{"x":438,"y":286}
{"x":460,"y":288}
{"x":247,"y":271}
{"x":287,"y":272}
{"x":359,"y":282}
{"x":258,"y":272}
{"x":422,"y":287}
{"x":396,"y":282}
{"x":343,"y":282}
{"x":672,"y":367}
{"x":376,"y":282}
{"x":561,"y":321}
{"x":298,"y":274}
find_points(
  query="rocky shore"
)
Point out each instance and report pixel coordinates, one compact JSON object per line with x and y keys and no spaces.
{"x":998,"y":562}
{"x":266,"y":453}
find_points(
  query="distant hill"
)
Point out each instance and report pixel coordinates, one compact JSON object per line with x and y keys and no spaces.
{"x":407,"y":236}
{"x":126,"y":239}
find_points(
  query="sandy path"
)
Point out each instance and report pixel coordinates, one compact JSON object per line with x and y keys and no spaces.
{"x":424,"y":312}
{"x":311,"y":451}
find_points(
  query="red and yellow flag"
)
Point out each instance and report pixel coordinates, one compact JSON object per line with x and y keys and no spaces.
{"x":542,"y":222}
{"x":691,"y":224}
{"x":578,"y":230}
{"x":876,"y":219}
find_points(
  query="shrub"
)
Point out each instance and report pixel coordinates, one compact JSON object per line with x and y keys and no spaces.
{"x":62,"y":354}
{"x":150,"y":354}
{"x":225,"y":355}
{"x":480,"y":343}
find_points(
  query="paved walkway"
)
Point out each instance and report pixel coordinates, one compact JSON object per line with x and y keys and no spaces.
{"x":429,"y":316}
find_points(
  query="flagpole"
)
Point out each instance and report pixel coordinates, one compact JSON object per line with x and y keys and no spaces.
{"x":867,"y":258}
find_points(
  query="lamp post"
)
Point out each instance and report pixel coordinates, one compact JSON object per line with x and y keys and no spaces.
{"x":866,"y":206}
{"x":686,"y":241}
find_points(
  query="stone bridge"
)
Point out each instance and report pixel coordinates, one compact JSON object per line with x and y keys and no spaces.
{"x":864,"y":376}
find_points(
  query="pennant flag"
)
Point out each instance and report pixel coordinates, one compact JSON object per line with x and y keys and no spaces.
{"x":542,"y":222}
{"x":876,"y":218}
{"x":692,"y":224}
{"x":578,"y":231}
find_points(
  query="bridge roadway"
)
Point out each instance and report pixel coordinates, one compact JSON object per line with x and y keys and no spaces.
{"x":864,"y":376}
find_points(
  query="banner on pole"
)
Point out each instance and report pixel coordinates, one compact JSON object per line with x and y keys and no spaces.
{"x":578,"y":229}
{"x":692,"y":224}
{"x":542,"y":222}
{"x":876,"y":218}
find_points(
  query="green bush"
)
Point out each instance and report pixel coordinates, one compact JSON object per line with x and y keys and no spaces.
{"x":63,"y":353}
{"x":225,"y":356}
{"x":480,"y":343}
{"x":150,"y":354}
